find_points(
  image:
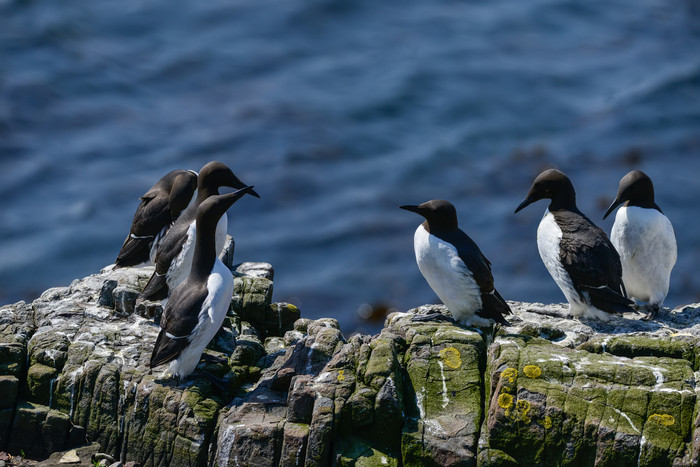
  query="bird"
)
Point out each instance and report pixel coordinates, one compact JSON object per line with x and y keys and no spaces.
{"x":174,"y":255}
{"x":198,"y":305}
{"x":645,"y":240}
{"x":454,"y":266}
{"x":577,"y":253}
{"x":159,"y":208}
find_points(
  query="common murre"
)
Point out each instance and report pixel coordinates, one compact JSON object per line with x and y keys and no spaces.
{"x":199,"y":304}
{"x":454,"y":266}
{"x":174,"y":255}
{"x":577,"y":254}
{"x":645,"y":240}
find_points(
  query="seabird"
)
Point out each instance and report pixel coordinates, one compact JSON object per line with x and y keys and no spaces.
{"x":174,"y":255}
{"x":454,"y":266}
{"x":159,"y":208}
{"x":645,"y":240}
{"x":198,"y":306}
{"x":577,"y":254}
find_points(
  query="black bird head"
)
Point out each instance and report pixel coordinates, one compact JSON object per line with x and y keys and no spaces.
{"x":181,"y":192}
{"x":439,"y":214}
{"x":635,"y":189}
{"x":217,"y":174}
{"x":554,"y":185}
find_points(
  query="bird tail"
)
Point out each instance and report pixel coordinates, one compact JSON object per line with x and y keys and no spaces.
{"x":166,"y":349}
{"x":494,"y":307}
{"x":156,"y":288}
{"x":135,"y":250}
{"x":606,"y":299}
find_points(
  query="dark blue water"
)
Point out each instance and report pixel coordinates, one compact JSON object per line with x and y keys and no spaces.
{"x":338,"y":112}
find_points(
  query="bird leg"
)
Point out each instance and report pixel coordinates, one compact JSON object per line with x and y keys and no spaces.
{"x":651,"y":312}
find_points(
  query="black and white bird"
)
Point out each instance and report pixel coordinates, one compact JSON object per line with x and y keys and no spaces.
{"x":577,"y":254}
{"x":645,"y":240}
{"x":198,"y":306}
{"x":454,"y":267}
{"x":174,"y":255}
{"x":159,"y":208}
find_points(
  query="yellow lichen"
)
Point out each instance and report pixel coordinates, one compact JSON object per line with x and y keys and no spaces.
{"x":505,"y":401}
{"x":523,"y":405}
{"x":662,"y":419}
{"x":341,"y":375}
{"x":532,"y":371}
{"x":451,"y":357}
{"x":546,"y":423}
{"x":510,"y":374}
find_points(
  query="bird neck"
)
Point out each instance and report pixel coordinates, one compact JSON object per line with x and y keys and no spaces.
{"x":565,"y":200}
{"x":204,"y":251}
{"x":205,"y":192}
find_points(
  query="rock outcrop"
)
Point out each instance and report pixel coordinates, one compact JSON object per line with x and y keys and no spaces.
{"x":546,"y":390}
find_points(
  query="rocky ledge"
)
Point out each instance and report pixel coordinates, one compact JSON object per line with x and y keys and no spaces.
{"x":546,"y":390}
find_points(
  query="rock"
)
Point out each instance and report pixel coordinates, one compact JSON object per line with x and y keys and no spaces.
{"x":71,"y":457}
{"x":263,"y":270}
{"x":546,"y":390}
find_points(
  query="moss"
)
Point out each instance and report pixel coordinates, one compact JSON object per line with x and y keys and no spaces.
{"x":40,"y":380}
{"x":12,"y":358}
{"x":683,"y":348}
{"x":495,"y":458}
{"x":382,"y":362}
{"x":353,"y":451}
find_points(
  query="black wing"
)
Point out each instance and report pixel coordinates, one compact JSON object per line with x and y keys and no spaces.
{"x":180,"y":317}
{"x":151,"y":216}
{"x":592,"y":262}
{"x":493,"y":305}
{"x":168,"y":249}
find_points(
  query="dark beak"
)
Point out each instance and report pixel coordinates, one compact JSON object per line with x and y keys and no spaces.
{"x":238,"y":194}
{"x":612,"y":207}
{"x":234,"y":182}
{"x":526,"y":202}
{"x":252,"y":192}
{"x":410,"y":207}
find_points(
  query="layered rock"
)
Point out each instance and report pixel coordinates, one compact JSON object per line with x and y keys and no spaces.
{"x":546,"y":390}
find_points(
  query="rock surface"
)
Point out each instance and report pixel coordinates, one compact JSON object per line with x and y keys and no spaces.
{"x":546,"y":390}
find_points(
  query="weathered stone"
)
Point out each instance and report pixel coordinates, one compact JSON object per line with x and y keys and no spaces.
{"x":294,"y":442}
{"x":9,"y":388}
{"x":263,"y":270}
{"x":40,"y":382}
{"x":318,"y":451}
{"x":37,"y":430}
{"x":124,"y":299}
{"x":252,"y":297}
{"x":300,"y":402}
{"x":546,"y":390}
{"x":106,"y":297}
{"x":149,"y":309}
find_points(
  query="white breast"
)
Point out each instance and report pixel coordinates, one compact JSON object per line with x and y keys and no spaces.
{"x":448,"y":276}
{"x":646,"y":242}
{"x":181,"y":265}
{"x":548,"y":240}
{"x":211,"y":316}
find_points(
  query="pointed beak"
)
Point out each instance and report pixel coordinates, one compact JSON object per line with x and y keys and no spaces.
{"x":238,"y":194}
{"x":234,"y":182}
{"x":526,"y":202}
{"x":410,"y":207}
{"x":612,"y":207}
